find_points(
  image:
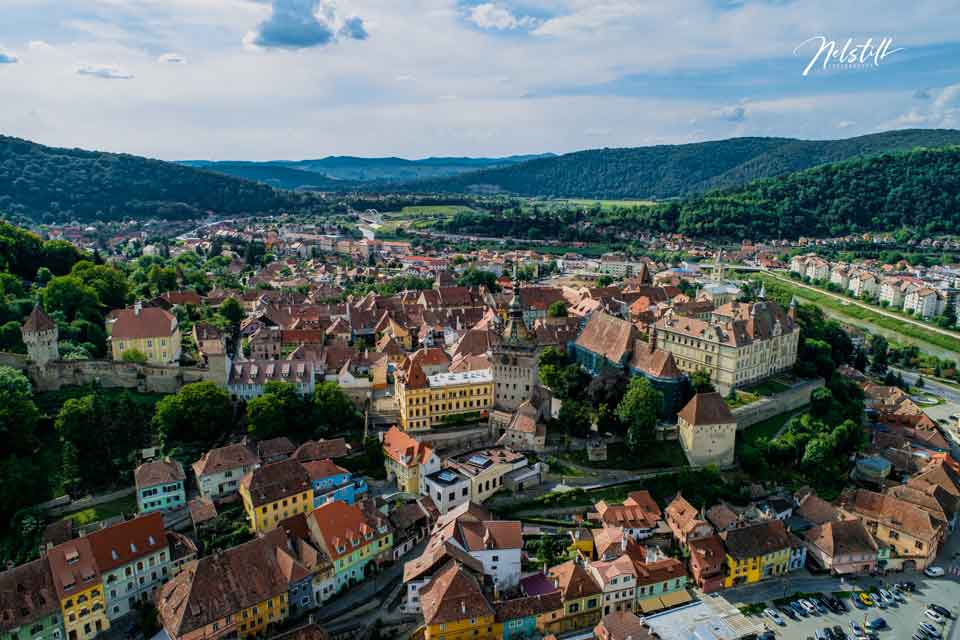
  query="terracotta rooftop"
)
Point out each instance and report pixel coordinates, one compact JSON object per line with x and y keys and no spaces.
{"x":232,"y":456}
{"x":157,"y":472}
{"x":276,"y":481}
{"x":38,"y":321}
{"x":27,"y":595}
{"x":842,"y":538}
{"x":756,"y":539}
{"x":706,"y":408}
{"x":608,"y":336}
{"x":148,"y":322}
{"x":322,"y":449}
{"x":573,"y":580}
{"x":453,"y":594}
{"x":128,"y":541}
{"x":403,"y":448}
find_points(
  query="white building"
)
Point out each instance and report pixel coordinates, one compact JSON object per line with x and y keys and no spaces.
{"x":220,"y":470}
{"x":448,"y":488}
{"x":923,"y":302}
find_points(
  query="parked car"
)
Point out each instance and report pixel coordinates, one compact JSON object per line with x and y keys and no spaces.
{"x":841,"y":605}
{"x":877,"y":623}
{"x":808,"y":606}
{"x":822,"y":635}
{"x":773,"y":615}
{"x":933,"y":572}
{"x":899,"y":596}
{"x":866,"y":599}
{"x":929,"y":629}
{"x":878,"y":601}
{"x":796,"y":606}
{"x":908,"y":587}
{"x":839,"y":633}
{"x":857,"y":629}
{"x":946,"y":613}
{"x":918,"y":636}
{"x":887,"y":596}
{"x":933,"y":615}
{"x":857,"y":602}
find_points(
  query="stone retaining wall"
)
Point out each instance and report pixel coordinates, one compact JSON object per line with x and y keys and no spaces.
{"x":768,"y":407}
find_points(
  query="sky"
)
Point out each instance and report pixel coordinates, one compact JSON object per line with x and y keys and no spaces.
{"x":293,"y":79}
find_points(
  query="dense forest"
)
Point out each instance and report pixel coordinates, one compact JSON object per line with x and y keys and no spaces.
{"x":346,"y":172}
{"x":918,"y":190}
{"x":667,"y":171}
{"x":46,"y":184}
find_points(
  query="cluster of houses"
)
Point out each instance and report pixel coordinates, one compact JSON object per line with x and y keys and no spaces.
{"x":925,"y":293}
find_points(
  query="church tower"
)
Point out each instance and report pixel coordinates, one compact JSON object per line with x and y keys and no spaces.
{"x":513,"y":357}
{"x":40,"y":335}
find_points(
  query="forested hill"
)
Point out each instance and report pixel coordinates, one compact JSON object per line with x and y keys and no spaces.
{"x":675,"y":170}
{"x":917,"y":189}
{"x":47,"y":184}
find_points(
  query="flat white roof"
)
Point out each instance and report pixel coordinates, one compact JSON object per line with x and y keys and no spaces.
{"x":462,"y":377}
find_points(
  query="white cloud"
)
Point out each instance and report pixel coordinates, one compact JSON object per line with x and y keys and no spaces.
{"x":39,"y":45}
{"x":105,"y":71}
{"x":845,"y":124}
{"x":491,"y":15}
{"x":172,"y":58}
{"x":735,"y":113}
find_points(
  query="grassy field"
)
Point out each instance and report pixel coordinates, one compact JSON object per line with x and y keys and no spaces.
{"x":867,"y":315}
{"x":743,"y":398}
{"x":766,"y":429}
{"x":125,"y":505}
{"x":655,"y":456}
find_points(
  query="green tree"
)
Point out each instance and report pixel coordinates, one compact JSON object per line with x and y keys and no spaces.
{"x":604,"y":281}
{"x":199,"y":412}
{"x":134,"y":355}
{"x":69,"y":295}
{"x":821,"y":401}
{"x":702,"y":382}
{"x":557,"y":309}
{"x":879,"y":352}
{"x":231,"y":310}
{"x":575,"y":418}
{"x":280,"y":411}
{"x":11,"y":338}
{"x":59,"y":256}
{"x":638,"y":411}
{"x":109,"y":283}
{"x":334,"y":411}
{"x":18,"y":413}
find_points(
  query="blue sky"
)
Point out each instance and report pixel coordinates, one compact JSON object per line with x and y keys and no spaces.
{"x":266,"y":79}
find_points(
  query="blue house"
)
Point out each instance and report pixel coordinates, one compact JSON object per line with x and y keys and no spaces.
{"x":160,"y":486}
{"x":519,"y":615}
{"x":330,"y":482}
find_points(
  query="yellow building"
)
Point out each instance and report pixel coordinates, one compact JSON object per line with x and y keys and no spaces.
{"x":275,"y":492}
{"x":79,"y":588}
{"x":756,"y":552}
{"x":150,"y":330}
{"x":209,"y":599}
{"x":581,"y":597}
{"x":428,"y":401}
{"x":486,"y":469}
{"x":455,"y":607}
{"x":256,"y":619}
{"x":582,"y":542}
{"x":407,"y":460}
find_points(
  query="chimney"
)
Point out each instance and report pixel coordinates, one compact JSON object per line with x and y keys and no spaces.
{"x":137,"y":308}
{"x":653,"y":337}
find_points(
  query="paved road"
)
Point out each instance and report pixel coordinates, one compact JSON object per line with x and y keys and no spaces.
{"x":869,"y":307}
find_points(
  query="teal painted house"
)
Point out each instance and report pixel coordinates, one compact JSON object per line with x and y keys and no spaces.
{"x":331,"y":482}
{"x":29,"y":605}
{"x":160,"y":486}
{"x":519,"y":616}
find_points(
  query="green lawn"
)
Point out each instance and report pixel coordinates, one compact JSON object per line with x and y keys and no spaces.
{"x":654,"y":455}
{"x":611,"y":204}
{"x":769,"y":388}
{"x":743,"y":398}
{"x":766,"y":429}
{"x":867,"y":315}
{"x":126,"y":505}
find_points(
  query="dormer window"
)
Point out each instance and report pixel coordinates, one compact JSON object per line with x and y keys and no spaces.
{"x":133,"y":547}
{"x":151,"y":540}
{"x":114,"y":554}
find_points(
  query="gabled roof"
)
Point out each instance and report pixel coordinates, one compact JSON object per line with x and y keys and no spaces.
{"x":321,"y":449}
{"x":756,"y":540}
{"x":74,"y":567}
{"x":128,"y":541}
{"x":453,"y":594}
{"x":319,"y":469}
{"x":222,"y":584}
{"x":27,"y":595}
{"x":157,"y":472}
{"x":573,"y":580}
{"x":276,"y":481}
{"x":608,"y":336}
{"x":706,"y":408}
{"x":343,"y":528}
{"x":148,"y":322}
{"x":842,"y":538}
{"x":405,"y":449}
{"x":232,"y":456}
{"x":655,"y":362}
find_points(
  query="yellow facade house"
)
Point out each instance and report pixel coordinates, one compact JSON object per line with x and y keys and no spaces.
{"x":80,"y":589}
{"x":455,"y":608}
{"x":275,"y":492}
{"x":152,"y":331}
{"x":407,"y":460}
{"x":756,"y":552}
{"x":429,"y":401}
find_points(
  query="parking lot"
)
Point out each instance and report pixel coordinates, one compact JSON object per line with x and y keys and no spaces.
{"x":902,"y":619}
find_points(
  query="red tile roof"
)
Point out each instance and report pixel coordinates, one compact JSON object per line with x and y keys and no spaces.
{"x":128,"y":541}
{"x":150,"y":322}
{"x":707,"y":408}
